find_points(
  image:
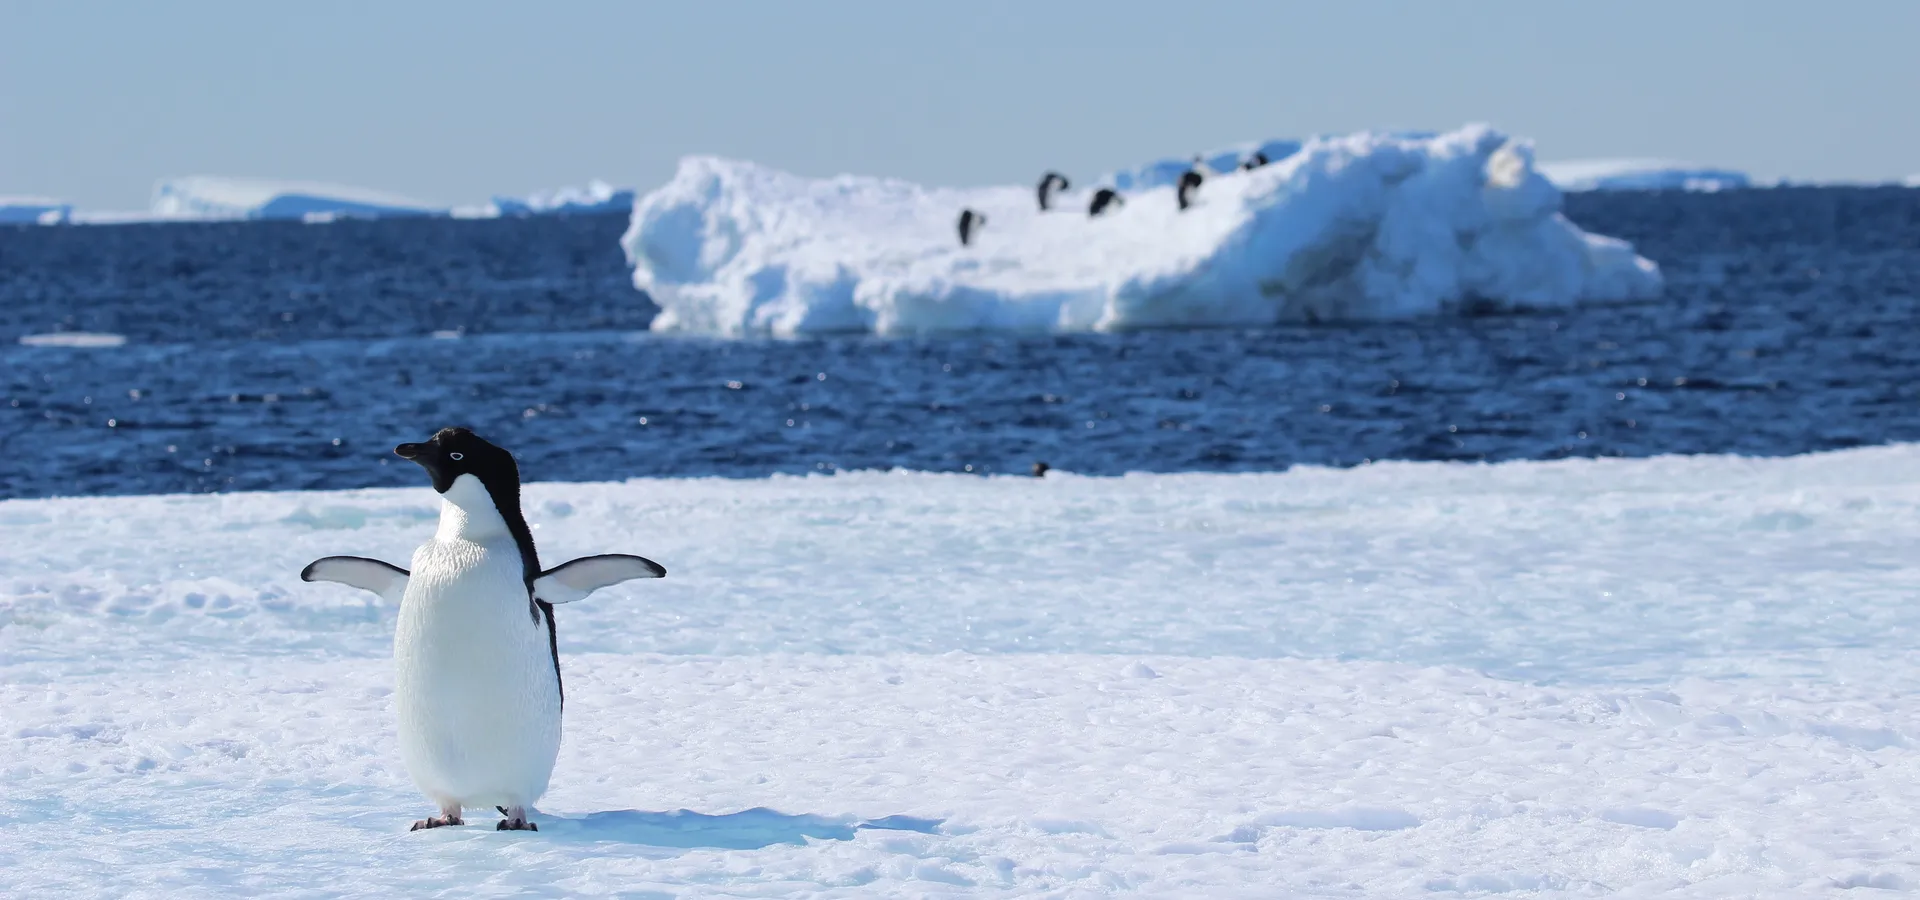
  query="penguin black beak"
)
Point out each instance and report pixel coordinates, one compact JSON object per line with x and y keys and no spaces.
{"x":407,"y":451}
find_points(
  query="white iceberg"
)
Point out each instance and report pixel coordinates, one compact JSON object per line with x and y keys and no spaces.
{"x":221,"y":197}
{"x":34,"y":211}
{"x":1640,"y":175}
{"x":1366,"y":226}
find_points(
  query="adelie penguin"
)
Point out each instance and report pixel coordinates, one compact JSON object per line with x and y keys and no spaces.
{"x":1189,"y":183}
{"x":476,"y":661}
{"x":970,"y":222}
{"x":1102,"y":199}
{"x":1050,"y":182}
{"x":1258,"y":159}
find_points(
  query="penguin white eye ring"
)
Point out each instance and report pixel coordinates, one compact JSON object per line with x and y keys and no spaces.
{"x":477,"y":664}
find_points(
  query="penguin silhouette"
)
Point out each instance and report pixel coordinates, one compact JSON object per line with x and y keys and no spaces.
{"x":1189,"y":183}
{"x":1049,"y":183}
{"x":1102,"y":199}
{"x":970,"y":222}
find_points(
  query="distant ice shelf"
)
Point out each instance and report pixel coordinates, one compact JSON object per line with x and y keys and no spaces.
{"x":1363,"y":226}
{"x":221,"y":197}
{"x":34,"y":211}
{"x":1640,"y":175}
{"x":597,"y":197}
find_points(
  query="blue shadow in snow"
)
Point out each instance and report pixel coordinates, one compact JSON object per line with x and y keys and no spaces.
{"x":748,"y":829}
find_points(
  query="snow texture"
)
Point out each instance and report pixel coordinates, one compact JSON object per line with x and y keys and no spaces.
{"x":219,"y":197}
{"x":1685,"y":677}
{"x":1367,"y":226}
{"x":1640,"y":175}
{"x":34,"y":211}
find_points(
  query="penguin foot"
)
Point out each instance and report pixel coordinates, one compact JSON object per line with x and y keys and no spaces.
{"x":436,"y":822}
{"x":516,"y":820}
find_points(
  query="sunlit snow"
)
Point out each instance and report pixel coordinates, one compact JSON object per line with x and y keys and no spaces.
{"x":1674,"y":676}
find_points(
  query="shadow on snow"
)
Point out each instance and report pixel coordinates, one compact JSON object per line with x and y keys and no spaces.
{"x":748,"y":829}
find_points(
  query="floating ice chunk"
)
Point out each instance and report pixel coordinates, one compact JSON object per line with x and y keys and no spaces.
{"x":1366,"y":226}
{"x":1640,"y":175}
{"x":83,"y":339}
{"x":218,"y":197}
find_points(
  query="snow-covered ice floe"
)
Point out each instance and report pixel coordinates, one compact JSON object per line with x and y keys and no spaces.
{"x":1640,"y":175}
{"x":1686,"y":677}
{"x":1366,"y":226}
{"x":34,"y":211}
{"x":221,"y":197}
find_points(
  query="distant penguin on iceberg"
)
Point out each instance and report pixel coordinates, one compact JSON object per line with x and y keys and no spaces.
{"x":1189,"y":183}
{"x":1040,"y":469}
{"x":1102,"y":199}
{"x":1255,"y":161}
{"x":970,"y":222}
{"x":476,"y":663}
{"x":1050,"y":182}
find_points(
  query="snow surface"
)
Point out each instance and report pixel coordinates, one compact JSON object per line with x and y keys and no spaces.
{"x":221,"y":197}
{"x":1367,"y":226}
{"x":1640,"y":175}
{"x":34,"y":211}
{"x":1684,"y":677}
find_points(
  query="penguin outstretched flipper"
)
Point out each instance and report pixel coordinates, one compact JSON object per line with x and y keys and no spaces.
{"x":574,"y":580}
{"x":385,"y":579}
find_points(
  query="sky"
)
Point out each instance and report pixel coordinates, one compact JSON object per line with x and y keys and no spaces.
{"x":452,"y":102}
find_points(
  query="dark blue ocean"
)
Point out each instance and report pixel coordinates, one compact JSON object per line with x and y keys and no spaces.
{"x":278,"y":356}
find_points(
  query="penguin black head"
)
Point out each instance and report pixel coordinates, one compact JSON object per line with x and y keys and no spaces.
{"x":1040,"y":469}
{"x":454,"y":452}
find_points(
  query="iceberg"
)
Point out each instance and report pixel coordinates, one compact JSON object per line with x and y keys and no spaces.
{"x":597,"y":196}
{"x":1640,"y":175}
{"x":220,"y":197}
{"x":34,"y":211}
{"x":1363,"y":226}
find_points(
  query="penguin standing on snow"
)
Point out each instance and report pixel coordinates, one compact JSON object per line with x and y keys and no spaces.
{"x":1189,"y":183}
{"x":970,"y":222}
{"x":476,"y":661}
{"x":1103,"y":198}
{"x":1049,"y":183}
{"x":1258,"y":159}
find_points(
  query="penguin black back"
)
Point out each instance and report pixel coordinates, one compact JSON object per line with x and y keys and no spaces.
{"x":970,"y":222}
{"x":1102,"y":199}
{"x":1189,"y":183}
{"x":1049,"y":183}
{"x":1258,"y":159}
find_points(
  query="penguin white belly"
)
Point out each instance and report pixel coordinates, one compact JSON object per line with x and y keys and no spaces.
{"x":474,"y":682}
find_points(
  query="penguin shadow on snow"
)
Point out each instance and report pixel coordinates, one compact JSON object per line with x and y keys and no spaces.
{"x":748,"y":829}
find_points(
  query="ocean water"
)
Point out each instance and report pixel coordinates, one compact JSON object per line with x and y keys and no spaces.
{"x":264,"y":356}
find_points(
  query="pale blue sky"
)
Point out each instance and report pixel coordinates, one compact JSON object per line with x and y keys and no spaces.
{"x":450,"y":102}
